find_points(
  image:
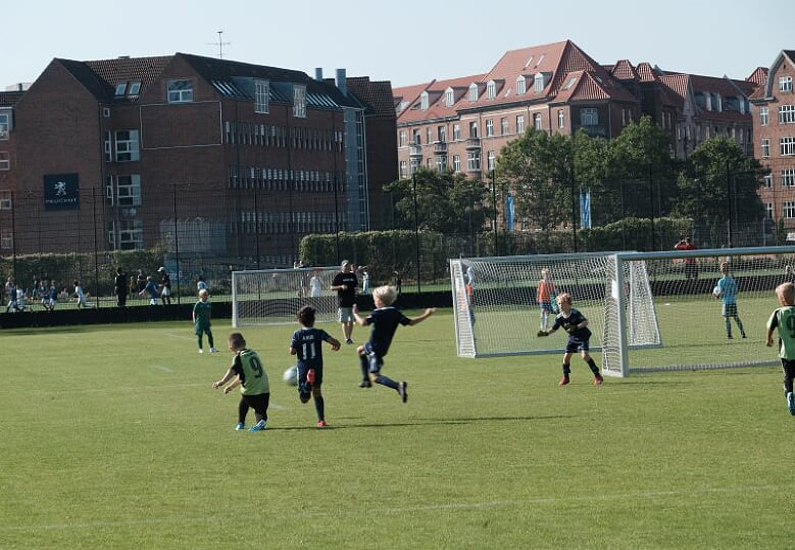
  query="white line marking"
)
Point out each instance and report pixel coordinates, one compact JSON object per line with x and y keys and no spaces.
{"x":161,"y":368}
{"x":178,"y":336}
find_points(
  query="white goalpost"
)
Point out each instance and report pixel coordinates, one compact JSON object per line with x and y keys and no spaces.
{"x":274,"y":296}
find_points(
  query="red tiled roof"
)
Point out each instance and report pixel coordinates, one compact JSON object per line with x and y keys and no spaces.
{"x":376,"y":95}
{"x":677,"y":84}
{"x":124,"y":69}
{"x":758,"y":77}
{"x":723,"y":86}
{"x":623,"y":70}
{"x":646,"y":72}
{"x":436,"y":89}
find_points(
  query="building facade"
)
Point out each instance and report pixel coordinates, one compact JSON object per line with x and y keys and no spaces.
{"x":774,"y":145}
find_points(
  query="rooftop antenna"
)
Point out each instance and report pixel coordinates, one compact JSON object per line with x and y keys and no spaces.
{"x":220,"y":44}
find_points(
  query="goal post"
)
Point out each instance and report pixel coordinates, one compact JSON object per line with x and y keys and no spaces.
{"x":702,"y":329}
{"x":274,"y":296}
{"x":499,"y":307}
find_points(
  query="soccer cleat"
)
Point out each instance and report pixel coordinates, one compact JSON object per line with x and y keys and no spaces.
{"x":213,"y":350}
{"x":403,"y":391}
{"x":366,"y":384}
{"x":310,"y":376}
{"x":321,"y":423}
{"x":565,"y":380}
{"x":791,"y":403}
{"x":201,"y":350}
{"x":729,"y":336}
{"x":258,"y":427}
{"x":349,"y":341}
{"x":597,"y":379}
{"x":240,"y":426}
{"x":744,"y":335}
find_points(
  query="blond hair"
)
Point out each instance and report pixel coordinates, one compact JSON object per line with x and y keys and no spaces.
{"x":386,"y":294}
{"x":786,"y":293}
{"x":563,"y":297}
{"x":203,"y":292}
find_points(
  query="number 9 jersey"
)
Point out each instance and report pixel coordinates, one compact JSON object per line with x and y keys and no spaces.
{"x":783,"y":319}
{"x":253,"y":378}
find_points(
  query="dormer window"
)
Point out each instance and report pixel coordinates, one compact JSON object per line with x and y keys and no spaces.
{"x":491,"y":90}
{"x":449,"y":97}
{"x":299,"y":101}
{"x":135,"y":88}
{"x":708,"y":97}
{"x":424,"y":101}
{"x":570,"y":83}
{"x":521,"y":85}
{"x":718,"y":103}
{"x":120,"y":89}
{"x":473,"y":92}
{"x":262,"y":96}
{"x":538,"y":83}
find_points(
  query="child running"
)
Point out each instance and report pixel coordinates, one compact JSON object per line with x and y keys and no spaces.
{"x":307,"y":344}
{"x":249,"y":374}
{"x":385,"y":320}
{"x":576,"y":325}
{"x":544,"y":296}
{"x":726,"y":291}
{"x":201,"y":320}
{"x":783,"y":321}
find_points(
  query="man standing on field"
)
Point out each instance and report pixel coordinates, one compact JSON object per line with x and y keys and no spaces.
{"x":345,"y":283}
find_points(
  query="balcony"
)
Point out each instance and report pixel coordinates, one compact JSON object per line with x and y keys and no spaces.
{"x":473,"y":143}
{"x":440,"y":148}
{"x":594,"y":131}
{"x":415,"y":150}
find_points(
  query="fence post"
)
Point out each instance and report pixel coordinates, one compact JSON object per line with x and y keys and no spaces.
{"x":176,"y":241}
{"x":96,"y":253}
{"x":416,"y":232}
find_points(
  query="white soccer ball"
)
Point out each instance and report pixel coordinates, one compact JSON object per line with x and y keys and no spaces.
{"x":716,"y":292}
{"x":290,"y":376}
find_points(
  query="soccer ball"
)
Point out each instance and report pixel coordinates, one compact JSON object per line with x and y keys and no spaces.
{"x":716,"y":291}
{"x":290,"y":376}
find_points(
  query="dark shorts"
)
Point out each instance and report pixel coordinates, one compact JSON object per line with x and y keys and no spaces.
{"x":730,"y":310}
{"x":545,"y":306}
{"x":576,"y":344}
{"x":376,"y":361}
{"x":201,"y":328}
{"x":258,"y":402}
{"x":303,"y":369}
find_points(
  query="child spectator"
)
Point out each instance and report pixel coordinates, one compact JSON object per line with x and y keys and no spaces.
{"x":385,"y":320}
{"x":544,"y":296}
{"x":165,"y":286}
{"x":249,"y":374}
{"x":81,"y":296}
{"x":201,"y":320}
{"x":307,"y":344}
{"x":782,"y":320}
{"x":726,"y":291}
{"x":201,"y":284}
{"x":151,"y":288}
{"x":576,"y":325}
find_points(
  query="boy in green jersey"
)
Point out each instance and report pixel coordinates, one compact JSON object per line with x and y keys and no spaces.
{"x":201,"y":320}
{"x":783,"y":320}
{"x":249,"y":374}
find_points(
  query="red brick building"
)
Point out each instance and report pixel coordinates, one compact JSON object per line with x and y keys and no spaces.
{"x":196,"y":155}
{"x":774,"y":144}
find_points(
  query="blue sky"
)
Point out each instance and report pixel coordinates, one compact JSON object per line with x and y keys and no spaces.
{"x":407,"y":42}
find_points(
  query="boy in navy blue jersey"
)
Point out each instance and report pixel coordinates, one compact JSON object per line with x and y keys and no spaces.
{"x":385,"y":320}
{"x":307,"y":344}
{"x":576,"y":325}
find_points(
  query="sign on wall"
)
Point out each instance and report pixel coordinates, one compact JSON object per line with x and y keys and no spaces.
{"x":61,"y":192}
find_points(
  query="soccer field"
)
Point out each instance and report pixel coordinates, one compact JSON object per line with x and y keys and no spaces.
{"x":112,"y":438}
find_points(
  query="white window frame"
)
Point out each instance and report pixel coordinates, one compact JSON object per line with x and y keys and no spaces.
{"x":769,"y":211}
{"x":441,"y":134}
{"x":5,"y":200}
{"x":456,"y":163}
{"x":5,"y":161}
{"x":786,"y":114}
{"x":767,"y":181}
{"x":121,"y":88}
{"x":538,"y":83}
{"x":765,"y":148}
{"x":491,"y":90}
{"x":521,"y":85}
{"x":262,"y":94}
{"x":786,"y":146}
{"x":5,"y":124}
{"x":788,"y":209}
{"x":179,"y":90}
{"x":520,"y":124}
{"x":449,"y":97}
{"x":7,"y":240}
{"x":128,"y":190}
{"x":134,"y":89}
{"x":404,"y":138}
{"x":538,"y":122}
{"x":788,"y":177}
{"x":473,"y":130}
{"x":456,"y":132}
{"x":441,"y":163}
{"x":589,"y":116}
{"x":299,"y":101}
{"x":785,"y":84}
{"x":764,"y":116}
{"x":491,"y":160}
{"x":561,"y":118}
{"x":473,"y":161}
{"x":127,"y":150}
{"x":489,"y":127}
{"x":504,"y":127}
{"x":473,"y":92}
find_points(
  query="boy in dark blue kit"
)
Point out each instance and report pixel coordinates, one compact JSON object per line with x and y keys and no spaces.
{"x":576,"y":325}
{"x":307,"y":344}
{"x":385,"y":320}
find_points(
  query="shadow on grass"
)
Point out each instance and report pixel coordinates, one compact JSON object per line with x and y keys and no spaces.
{"x":428,"y":422}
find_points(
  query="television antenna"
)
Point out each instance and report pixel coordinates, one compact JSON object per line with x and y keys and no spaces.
{"x":220,"y":44}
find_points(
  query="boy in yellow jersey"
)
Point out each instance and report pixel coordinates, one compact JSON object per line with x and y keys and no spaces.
{"x":783,"y":320}
{"x":249,"y":374}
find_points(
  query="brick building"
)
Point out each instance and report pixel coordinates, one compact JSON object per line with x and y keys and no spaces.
{"x":774,"y":145}
{"x":192,"y":154}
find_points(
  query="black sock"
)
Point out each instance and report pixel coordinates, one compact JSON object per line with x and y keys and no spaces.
{"x":242,"y":411}
{"x":386,"y":381}
{"x":210,"y":340}
{"x":365,"y":367}
{"x":592,"y":364}
{"x":566,"y":369}
{"x":320,"y":407}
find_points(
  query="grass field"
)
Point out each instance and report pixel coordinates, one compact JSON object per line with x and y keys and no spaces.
{"x":112,"y":438}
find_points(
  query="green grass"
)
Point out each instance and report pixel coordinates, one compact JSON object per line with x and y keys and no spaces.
{"x":111,"y":437}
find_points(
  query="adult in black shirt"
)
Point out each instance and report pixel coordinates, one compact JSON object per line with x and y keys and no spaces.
{"x":346,"y":283}
{"x":120,"y":287}
{"x":165,"y":286}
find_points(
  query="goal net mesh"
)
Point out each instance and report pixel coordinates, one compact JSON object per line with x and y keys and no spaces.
{"x":274,"y":296}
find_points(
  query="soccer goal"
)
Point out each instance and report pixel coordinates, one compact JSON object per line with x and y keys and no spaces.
{"x":704,"y":323}
{"x":274,"y":296}
{"x":498,"y":306}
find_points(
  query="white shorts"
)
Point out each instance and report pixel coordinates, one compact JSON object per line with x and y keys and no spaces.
{"x":346,"y":315}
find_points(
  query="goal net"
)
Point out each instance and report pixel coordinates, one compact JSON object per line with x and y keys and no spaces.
{"x":500,"y":304}
{"x":274,"y":296}
{"x":702,"y":321}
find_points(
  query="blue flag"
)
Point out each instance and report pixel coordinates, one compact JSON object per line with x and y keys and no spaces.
{"x":585,"y":209}
{"x":510,"y":212}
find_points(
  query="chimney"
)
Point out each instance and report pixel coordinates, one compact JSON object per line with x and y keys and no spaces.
{"x":319,"y":74}
{"x":341,"y":82}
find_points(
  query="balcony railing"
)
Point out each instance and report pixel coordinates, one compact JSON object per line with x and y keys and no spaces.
{"x":473,"y":143}
{"x":415,"y":150}
{"x":440,"y":148}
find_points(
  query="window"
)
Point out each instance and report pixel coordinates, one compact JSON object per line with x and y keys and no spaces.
{"x":789,"y":209}
{"x":180,"y":91}
{"x":456,"y":132}
{"x":767,"y":181}
{"x":537,"y":121}
{"x":504,"y":126}
{"x":108,"y":148}
{"x":788,"y":177}
{"x":561,"y":118}
{"x":5,"y":124}
{"x":424,"y":101}
{"x":769,"y":210}
{"x":135,"y":89}
{"x":428,"y":135}
{"x":570,"y":83}
{"x":492,"y":161}
{"x":763,"y":116}
{"x":589,"y":117}
{"x":521,"y":86}
{"x":473,"y":130}
{"x":403,"y":138}
{"x":765,"y":148}
{"x":441,"y":133}
{"x":456,"y":163}
{"x":262,"y":94}
{"x":785,"y":84}
{"x":449,"y":97}
{"x":126,"y":235}
{"x":123,"y":190}
{"x":520,"y":124}
{"x":120,"y":89}
{"x":414,"y":163}
{"x":787,"y":146}
{"x":473,"y":92}
{"x":489,"y":127}
{"x":5,"y":200}
{"x":786,"y":114}
{"x":441,"y":163}
{"x":473,"y":161}
{"x":299,"y":101}
{"x":491,"y":90}
{"x":7,"y":240}
{"x":539,"y":83}
{"x":127,"y":145}
{"x":5,"y":161}
{"x":429,"y":163}
{"x":415,"y":137}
